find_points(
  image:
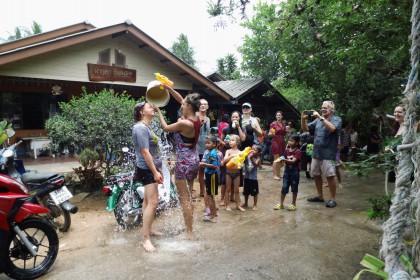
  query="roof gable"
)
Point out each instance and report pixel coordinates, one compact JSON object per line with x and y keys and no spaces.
{"x":143,"y":41}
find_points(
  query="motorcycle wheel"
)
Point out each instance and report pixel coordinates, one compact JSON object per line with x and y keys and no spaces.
{"x":58,"y":216}
{"x":19,"y":263}
{"x":128,"y":210}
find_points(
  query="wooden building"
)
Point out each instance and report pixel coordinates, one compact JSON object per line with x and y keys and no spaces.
{"x":38,"y":72}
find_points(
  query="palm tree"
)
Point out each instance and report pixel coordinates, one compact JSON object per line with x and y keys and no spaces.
{"x":21,"y":32}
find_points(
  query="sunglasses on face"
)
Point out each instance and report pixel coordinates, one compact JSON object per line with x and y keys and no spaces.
{"x":246,"y":107}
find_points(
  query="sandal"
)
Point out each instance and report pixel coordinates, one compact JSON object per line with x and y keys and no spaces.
{"x":315,"y":199}
{"x":291,"y":207}
{"x":278,"y":207}
{"x":331,"y":204}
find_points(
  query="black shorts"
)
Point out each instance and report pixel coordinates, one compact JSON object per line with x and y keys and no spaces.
{"x":144,"y":176}
{"x":212,"y":183}
{"x":251,"y":187}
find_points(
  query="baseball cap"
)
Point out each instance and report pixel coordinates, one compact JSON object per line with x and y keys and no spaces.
{"x":246,"y":104}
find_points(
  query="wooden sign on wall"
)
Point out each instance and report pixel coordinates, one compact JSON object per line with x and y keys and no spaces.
{"x":98,"y":72}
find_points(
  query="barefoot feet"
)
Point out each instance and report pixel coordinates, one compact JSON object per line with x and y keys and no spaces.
{"x":148,"y":246}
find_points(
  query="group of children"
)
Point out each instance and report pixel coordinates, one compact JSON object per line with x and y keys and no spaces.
{"x":215,"y":162}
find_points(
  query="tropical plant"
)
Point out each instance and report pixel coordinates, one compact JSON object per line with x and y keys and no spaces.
{"x":20,"y":32}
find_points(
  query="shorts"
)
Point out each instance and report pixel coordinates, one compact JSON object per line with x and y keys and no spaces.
{"x":290,"y":179}
{"x":212,"y":183}
{"x":144,"y":176}
{"x":250,"y":187}
{"x":323,"y":167}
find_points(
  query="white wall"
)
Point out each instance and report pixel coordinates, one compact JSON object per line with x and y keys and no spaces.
{"x":71,"y":63}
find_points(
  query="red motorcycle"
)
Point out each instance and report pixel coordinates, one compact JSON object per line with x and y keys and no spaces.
{"x":28,"y":243}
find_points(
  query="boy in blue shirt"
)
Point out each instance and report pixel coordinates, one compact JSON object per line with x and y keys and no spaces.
{"x":211,"y":163}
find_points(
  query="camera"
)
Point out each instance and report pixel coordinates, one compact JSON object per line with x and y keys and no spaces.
{"x":309,"y":113}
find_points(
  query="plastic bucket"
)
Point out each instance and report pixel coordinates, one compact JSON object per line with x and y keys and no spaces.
{"x":156,"y":95}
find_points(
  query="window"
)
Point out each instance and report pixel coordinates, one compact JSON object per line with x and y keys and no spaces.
{"x":119,"y":59}
{"x":27,"y":110}
{"x":105,"y":57}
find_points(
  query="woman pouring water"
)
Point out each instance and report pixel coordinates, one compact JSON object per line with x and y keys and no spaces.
{"x":148,"y":164}
{"x":187,"y":131}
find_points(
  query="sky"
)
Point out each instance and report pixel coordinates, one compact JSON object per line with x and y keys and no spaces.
{"x":163,"y":20}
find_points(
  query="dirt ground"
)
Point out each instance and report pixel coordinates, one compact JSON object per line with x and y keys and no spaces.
{"x":313,"y":242}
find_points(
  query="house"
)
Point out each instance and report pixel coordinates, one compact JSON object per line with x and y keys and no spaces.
{"x":265,"y":99}
{"x":38,"y":72}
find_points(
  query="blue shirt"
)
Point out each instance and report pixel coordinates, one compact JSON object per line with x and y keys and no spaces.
{"x":211,"y":158}
{"x":325,"y":142}
{"x":144,"y":137}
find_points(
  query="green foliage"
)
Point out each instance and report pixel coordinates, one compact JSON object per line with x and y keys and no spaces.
{"x":99,"y":121}
{"x":227,"y":67}
{"x":386,"y":161}
{"x":89,"y":175}
{"x":226,"y":9}
{"x":353,"y":52}
{"x":183,"y":50}
{"x":21,"y":32}
{"x":379,"y":207}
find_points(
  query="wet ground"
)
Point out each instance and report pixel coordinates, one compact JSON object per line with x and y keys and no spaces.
{"x":313,"y":242}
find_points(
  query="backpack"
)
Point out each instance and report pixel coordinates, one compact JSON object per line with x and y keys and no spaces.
{"x":310,"y":149}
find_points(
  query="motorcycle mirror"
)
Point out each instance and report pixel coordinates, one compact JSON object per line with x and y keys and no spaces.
{"x":125,"y":149}
{"x":7,"y":153}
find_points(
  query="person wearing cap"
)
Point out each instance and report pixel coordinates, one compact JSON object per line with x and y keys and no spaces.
{"x":148,"y":164}
{"x":186,"y":132}
{"x":251,"y":125}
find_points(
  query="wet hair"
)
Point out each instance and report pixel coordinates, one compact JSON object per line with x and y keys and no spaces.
{"x":280,"y":113}
{"x":137,"y":111}
{"x":194,"y":100}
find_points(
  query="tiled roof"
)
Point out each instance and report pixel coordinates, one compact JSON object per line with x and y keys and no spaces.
{"x":238,"y":88}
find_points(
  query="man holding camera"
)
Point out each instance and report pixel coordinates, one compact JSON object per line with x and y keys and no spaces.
{"x":326,"y":130}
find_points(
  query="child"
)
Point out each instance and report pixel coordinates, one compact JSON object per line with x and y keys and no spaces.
{"x":233,"y":174}
{"x":210,"y":162}
{"x":251,"y":181}
{"x":291,"y":173}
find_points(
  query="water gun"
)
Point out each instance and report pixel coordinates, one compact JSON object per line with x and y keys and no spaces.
{"x":239,"y":159}
{"x":279,"y":159}
{"x":163,"y":80}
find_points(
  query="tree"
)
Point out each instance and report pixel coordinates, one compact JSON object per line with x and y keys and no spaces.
{"x":183,"y":50}
{"x":353,"y":52}
{"x":88,"y":122}
{"x":229,"y":9}
{"x":227,"y":67}
{"x":21,"y":32}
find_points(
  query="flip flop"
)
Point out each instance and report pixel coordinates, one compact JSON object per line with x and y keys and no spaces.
{"x":315,"y":199}
{"x":291,"y":208}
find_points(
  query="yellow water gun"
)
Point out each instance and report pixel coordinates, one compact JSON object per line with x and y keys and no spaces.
{"x":163,"y":80}
{"x":239,"y":159}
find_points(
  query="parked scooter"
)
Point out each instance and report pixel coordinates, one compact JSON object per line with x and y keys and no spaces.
{"x":28,"y":243}
{"x":125,"y":195}
{"x":46,"y":189}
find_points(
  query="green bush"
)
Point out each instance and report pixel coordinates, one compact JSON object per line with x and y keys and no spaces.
{"x":100,"y":122}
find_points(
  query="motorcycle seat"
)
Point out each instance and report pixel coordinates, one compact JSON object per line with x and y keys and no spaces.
{"x":37,"y":177}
